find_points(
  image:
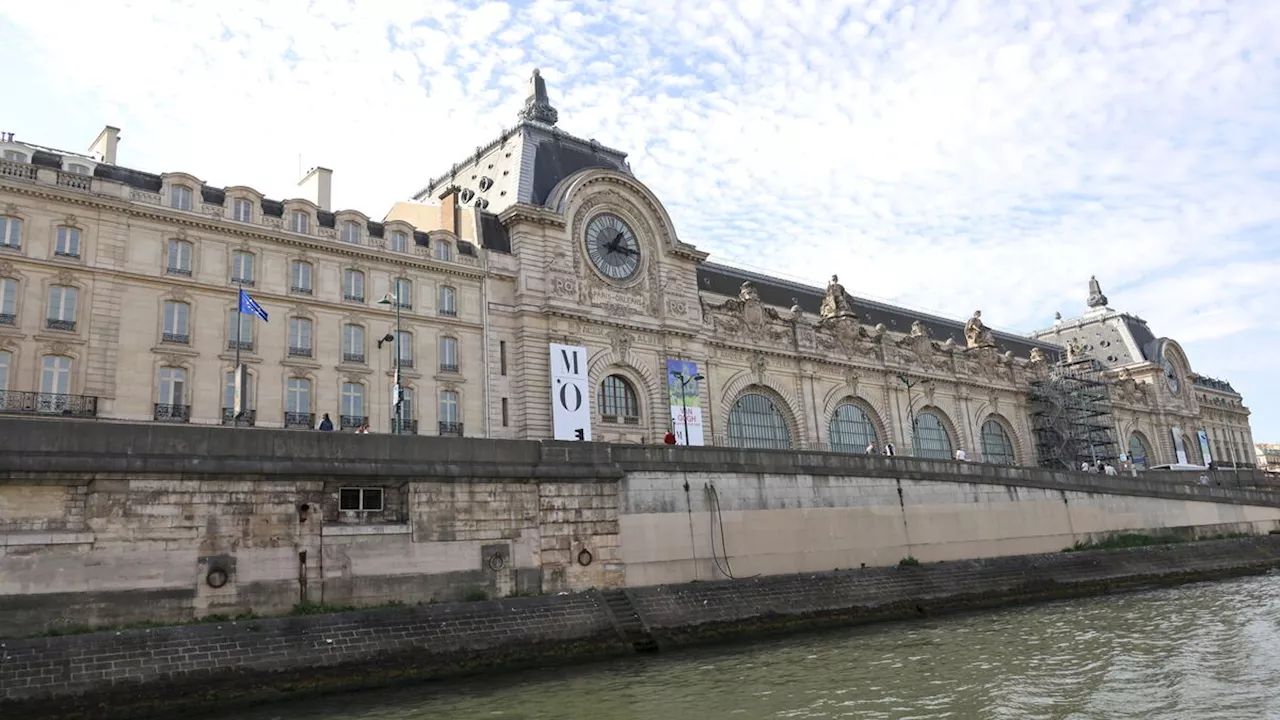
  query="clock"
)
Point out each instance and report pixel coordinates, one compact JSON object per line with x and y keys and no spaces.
{"x":1170,"y":377}
{"x":612,"y":247}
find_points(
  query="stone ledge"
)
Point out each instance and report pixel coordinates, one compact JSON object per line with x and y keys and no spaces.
{"x":353,"y":530}
{"x":40,"y":537}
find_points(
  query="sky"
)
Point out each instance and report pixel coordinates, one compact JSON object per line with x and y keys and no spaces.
{"x":945,"y":155}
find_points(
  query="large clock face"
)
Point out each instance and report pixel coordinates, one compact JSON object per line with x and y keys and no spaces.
{"x":612,"y":247}
{"x":1171,"y":377}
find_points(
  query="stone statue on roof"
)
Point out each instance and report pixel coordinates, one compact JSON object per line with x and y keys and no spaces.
{"x":537,"y":106}
{"x":1096,"y":298}
{"x":976,"y":333}
{"x":837,"y":302}
{"x":747,"y":292}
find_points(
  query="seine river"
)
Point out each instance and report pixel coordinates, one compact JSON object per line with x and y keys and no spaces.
{"x":1199,"y":651}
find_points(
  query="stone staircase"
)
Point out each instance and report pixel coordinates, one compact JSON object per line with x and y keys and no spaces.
{"x":628,"y":621}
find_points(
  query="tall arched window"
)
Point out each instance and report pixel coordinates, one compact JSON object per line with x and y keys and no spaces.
{"x":851,"y":430}
{"x":447,"y":303}
{"x":996,"y":446}
{"x":618,"y":401}
{"x":755,"y":421}
{"x":1139,"y":453}
{"x":931,"y":438}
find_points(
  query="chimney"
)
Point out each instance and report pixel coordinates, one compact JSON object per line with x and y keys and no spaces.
{"x":449,"y":209}
{"x":104,"y":148}
{"x":317,"y":186}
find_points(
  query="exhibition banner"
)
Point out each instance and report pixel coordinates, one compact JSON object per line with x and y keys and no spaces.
{"x":686,"y":401}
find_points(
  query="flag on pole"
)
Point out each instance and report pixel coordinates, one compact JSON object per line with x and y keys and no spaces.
{"x":250,"y":306}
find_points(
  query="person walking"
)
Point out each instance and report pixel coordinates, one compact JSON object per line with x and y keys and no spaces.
{"x":871,"y":448}
{"x":326,"y":425}
{"x":960,"y":454}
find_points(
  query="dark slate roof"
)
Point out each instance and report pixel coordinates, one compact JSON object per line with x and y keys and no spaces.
{"x":555,"y":159}
{"x":724,"y":280}
{"x":1142,"y":336}
{"x":375,"y":229}
{"x":466,"y":248}
{"x":493,"y":234}
{"x":421,"y":238}
{"x":145,"y":181}
{"x":325,"y":218}
{"x":46,"y":159}
{"x":273,"y":208}
{"x":1212,"y":384}
{"x":213,"y":195}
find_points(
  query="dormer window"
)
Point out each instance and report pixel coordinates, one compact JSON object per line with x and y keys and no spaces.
{"x":15,"y":156}
{"x":444,"y":251}
{"x":242,"y":210}
{"x":351,"y":232}
{"x":399,"y":242}
{"x":180,"y":197}
{"x":300,"y":222}
{"x":77,"y":169}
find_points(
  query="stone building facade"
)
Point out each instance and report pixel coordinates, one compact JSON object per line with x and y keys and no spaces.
{"x":540,"y":238}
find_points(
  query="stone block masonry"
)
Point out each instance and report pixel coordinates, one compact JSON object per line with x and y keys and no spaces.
{"x":161,"y":672}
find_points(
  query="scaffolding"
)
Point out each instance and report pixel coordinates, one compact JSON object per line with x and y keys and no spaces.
{"x":1071,"y":416}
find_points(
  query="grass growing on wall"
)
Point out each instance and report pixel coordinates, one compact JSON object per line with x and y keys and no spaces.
{"x":1133,"y":540}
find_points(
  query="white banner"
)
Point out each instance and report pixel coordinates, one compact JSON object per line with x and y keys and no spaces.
{"x":570,"y":394}
{"x":695,"y":425}
{"x":1179,"y":448}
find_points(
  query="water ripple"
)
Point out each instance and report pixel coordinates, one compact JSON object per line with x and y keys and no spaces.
{"x":1207,"y":651}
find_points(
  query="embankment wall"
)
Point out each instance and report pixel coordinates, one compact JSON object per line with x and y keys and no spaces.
{"x":163,"y":671}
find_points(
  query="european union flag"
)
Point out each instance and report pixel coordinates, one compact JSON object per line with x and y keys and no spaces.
{"x":250,"y":306}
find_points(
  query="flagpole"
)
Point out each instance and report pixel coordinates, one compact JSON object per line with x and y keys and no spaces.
{"x":235,"y":374}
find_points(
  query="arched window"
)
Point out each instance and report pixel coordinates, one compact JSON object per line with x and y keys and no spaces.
{"x":180,"y":197}
{"x":353,"y":285}
{"x":351,"y":232}
{"x":242,"y":210}
{"x":178,"y":258}
{"x":62,"y":308}
{"x":618,"y":402}
{"x":297,"y":403}
{"x":242,"y":267}
{"x":10,"y":232}
{"x":67,"y":242}
{"x":851,"y":430}
{"x":1139,"y":453}
{"x":756,"y":422}
{"x":444,"y":251}
{"x":399,"y":242}
{"x":403,"y":292}
{"x":931,"y":437}
{"x":300,"y":275}
{"x":300,"y":222}
{"x":448,"y":354}
{"x":177,"y":319}
{"x":353,"y":344}
{"x":299,"y":337}
{"x":996,"y":446}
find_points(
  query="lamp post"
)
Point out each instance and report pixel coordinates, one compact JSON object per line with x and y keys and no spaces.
{"x":684,"y":403}
{"x":396,"y":394}
{"x":911,"y":415}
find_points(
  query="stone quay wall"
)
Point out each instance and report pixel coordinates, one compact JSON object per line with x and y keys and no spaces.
{"x":163,"y":671}
{"x":106,"y":525}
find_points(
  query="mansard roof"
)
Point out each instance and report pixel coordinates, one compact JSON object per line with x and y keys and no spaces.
{"x":726,"y":280}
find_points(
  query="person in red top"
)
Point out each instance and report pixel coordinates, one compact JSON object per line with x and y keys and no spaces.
{"x":669,"y":438}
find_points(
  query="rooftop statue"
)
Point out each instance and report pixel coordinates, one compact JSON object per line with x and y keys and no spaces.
{"x":1096,"y":298}
{"x":976,"y":334}
{"x":837,"y":302}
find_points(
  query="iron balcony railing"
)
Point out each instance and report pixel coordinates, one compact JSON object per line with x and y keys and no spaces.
{"x":247,"y":282}
{"x":449,"y":367}
{"x":56,"y":324}
{"x":299,"y":351}
{"x":16,"y":402}
{"x":407,"y":427}
{"x":299,"y":420}
{"x":172,"y":413}
{"x":179,"y":338}
{"x":449,"y":312}
{"x":8,"y":319}
{"x":301,"y":289}
{"x":247,"y":417}
{"x":352,"y":422}
{"x":175,"y":270}
{"x":353,"y":297}
{"x":453,"y":429}
{"x":406,"y":362}
{"x":349,"y":357}
{"x":245,"y":345}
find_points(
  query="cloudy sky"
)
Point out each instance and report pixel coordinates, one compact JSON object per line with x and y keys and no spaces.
{"x":943,"y":154}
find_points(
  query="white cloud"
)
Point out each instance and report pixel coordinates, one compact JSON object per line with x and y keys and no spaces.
{"x":945,"y":155}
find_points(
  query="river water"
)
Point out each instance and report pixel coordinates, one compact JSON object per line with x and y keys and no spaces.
{"x":1209,"y":650}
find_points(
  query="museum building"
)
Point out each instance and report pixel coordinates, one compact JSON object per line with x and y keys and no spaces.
{"x":537,"y":289}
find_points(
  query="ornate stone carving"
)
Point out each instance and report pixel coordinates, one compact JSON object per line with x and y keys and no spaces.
{"x":58,"y":347}
{"x":70,"y":220}
{"x":797,"y":312}
{"x":747,"y":318}
{"x":758,"y":366}
{"x":301,"y":311}
{"x":537,"y":106}
{"x":919,"y":330}
{"x":564,"y":287}
{"x":6,"y":269}
{"x":172,"y":360}
{"x":1075,"y":351}
{"x":837,"y":302}
{"x":1096,"y":298}
{"x":64,"y":277}
{"x":182,"y":233}
{"x":10,"y":209}
{"x":677,"y":307}
{"x":976,"y":333}
{"x":851,"y":380}
{"x":620,"y":340}
{"x":1038,"y":356}
{"x":179,"y":293}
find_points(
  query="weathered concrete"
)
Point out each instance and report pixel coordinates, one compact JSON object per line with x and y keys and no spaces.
{"x":107,"y":524}
{"x":164,"y":671}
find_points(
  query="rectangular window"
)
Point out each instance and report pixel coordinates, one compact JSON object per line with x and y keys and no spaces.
{"x":352,"y":404}
{"x":444,"y":251}
{"x":360,"y":499}
{"x":351,"y":232}
{"x":298,"y":395}
{"x":62,"y":308}
{"x":502,"y":357}
{"x":448,"y":354}
{"x":300,"y":277}
{"x":8,"y":301}
{"x":10,"y":232}
{"x":399,"y":242}
{"x":504,"y":412}
{"x":300,"y":222}
{"x":406,"y":404}
{"x":448,"y":301}
{"x":14,"y":156}
{"x":404,"y":293}
{"x":299,"y":337}
{"x":75,"y":169}
{"x":55,"y":375}
{"x":448,"y":406}
{"x":242,"y":210}
{"x":176,"y":315}
{"x":353,"y":285}
{"x":178,"y":258}
{"x":404,"y":349}
{"x":173,"y":382}
{"x":242,"y":267}
{"x":180,"y":197}
{"x":68,"y":242}
{"x":240,"y":330}
{"x":229,"y":391}
{"x":353,"y":344}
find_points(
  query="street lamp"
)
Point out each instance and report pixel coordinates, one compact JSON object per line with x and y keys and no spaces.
{"x":396,"y":396}
{"x":911,"y":415}
{"x":684,"y":403}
